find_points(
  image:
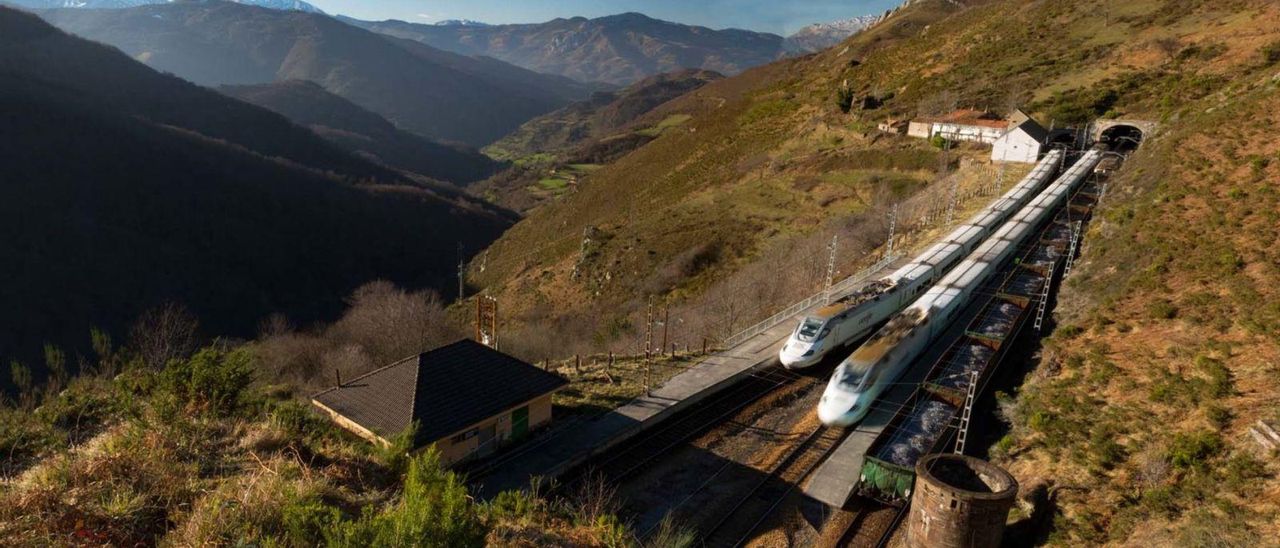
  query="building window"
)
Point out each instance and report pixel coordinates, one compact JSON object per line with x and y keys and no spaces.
{"x":465,"y":435}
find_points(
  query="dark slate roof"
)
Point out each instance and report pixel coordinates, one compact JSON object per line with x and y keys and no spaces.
{"x":1033,"y":129}
{"x":445,"y":390}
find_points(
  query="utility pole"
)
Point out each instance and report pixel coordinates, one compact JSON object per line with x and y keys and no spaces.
{"x":648,"y":332}
{"x":461,"y":274}
{"x":461,"y":280}
{"x":487,"y":321}
{"x":666,"y":325}
{"x":953,"y":194}
{"x":831,"y":267}
{"x":893,"y":226}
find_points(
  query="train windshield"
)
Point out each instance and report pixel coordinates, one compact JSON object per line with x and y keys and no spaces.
{"x":853,"y":378}
{"x":811,"y":329}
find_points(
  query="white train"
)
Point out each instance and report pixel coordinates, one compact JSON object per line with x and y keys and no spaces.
{"x":854,"y":316}
{"x":878,"y":363}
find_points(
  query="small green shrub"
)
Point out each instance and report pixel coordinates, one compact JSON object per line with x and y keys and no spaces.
{"x":1221,"y":383}
{"x":1160,"y":500}
{"x":1193,"y":450}
{"x":1162,"y":310}
{"x":1219,"y":416}
{"x":844,"y":99}
{"x":1241,"y":472}
{"x":212,"y":379}
{"x":670,"y":535}
{"x":23,"y":439}
{"x":305,"y":521}
{"x":1107,"y":452}
{"x":434,"y":510}
{"x":1271,"y":53}
{"x":298,"y":419}
{"x":1070,"y":331}
{"x":397,"y":454}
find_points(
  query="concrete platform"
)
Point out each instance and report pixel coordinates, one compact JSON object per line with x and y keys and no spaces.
{"x":569,"y":445}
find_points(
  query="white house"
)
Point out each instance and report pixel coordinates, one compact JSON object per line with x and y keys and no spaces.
{"x":1020,"y":143}
{"x":961,"y":125}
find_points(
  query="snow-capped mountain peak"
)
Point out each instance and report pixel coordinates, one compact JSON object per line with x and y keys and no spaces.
{"x":819,"y":36}
{"x":461,"y":23}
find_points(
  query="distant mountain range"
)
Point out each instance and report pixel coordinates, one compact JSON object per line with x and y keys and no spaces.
{"x":429,"y":92}
{"x":820,"y":36}
{"x":618,"y":49}
{"x":364,"y":132}
{"x":296,"y":5}
{"x":124,"y":188}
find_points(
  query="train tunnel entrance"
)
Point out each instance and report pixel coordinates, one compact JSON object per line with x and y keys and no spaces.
{"x":1122,"y":138}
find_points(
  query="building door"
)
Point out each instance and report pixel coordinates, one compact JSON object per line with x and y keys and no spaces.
{"x":520,"y":422}
{"x":487,"y":443}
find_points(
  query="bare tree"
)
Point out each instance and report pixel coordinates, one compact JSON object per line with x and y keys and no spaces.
{"x":165,"y":333}
{"x":1168,"y":46}
{"x":939,"y":103}
{"x":391,"y":323}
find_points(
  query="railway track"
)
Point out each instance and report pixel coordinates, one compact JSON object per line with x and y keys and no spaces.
{"x":873,"y":525}
{"x":635,"y":454}
{"x":753,"y":510}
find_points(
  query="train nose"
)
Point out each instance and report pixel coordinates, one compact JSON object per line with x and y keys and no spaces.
{"x":793,"y":357}
{"x":836,"y":411}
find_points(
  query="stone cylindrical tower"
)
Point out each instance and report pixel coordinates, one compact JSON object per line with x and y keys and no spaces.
{"x":959,"y":502}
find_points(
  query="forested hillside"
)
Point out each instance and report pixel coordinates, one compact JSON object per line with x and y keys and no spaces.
{"x":125,"y":189}
{"x":365,"y":133}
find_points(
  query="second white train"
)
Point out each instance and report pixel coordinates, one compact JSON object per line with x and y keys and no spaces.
{"x":854,"y":316}
{"x":860,"y":379}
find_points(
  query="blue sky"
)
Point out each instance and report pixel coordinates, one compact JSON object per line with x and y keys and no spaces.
{"x":777,"y":16}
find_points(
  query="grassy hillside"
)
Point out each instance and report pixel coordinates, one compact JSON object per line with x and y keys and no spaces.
{"x":209,"y":453}
{"x":365,"y":133}
{"x":429,"y":92}
{"x":1136,"y":417}
{"x":115,"y":204}
{"x":553,"y":152}
{"x":604,"y":114}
